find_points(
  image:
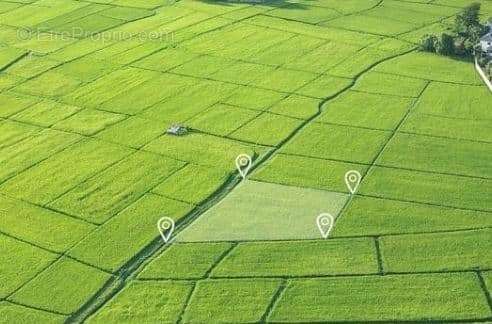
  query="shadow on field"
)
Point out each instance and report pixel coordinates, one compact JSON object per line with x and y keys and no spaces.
{"x":275,"y":3}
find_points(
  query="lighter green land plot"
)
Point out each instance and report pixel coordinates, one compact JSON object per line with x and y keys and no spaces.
{"x":264,"y":211}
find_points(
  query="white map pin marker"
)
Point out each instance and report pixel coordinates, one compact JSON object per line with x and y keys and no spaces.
{"x":243,"y":164}
{"x":165,"y":225}
{"x":352,"y":179}
{"x":325,"y":223}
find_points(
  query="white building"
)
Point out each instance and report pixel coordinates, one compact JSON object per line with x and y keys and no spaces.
{"x":486,"y":41}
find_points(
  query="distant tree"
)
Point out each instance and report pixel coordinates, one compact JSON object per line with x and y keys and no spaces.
{"x":467,"y":19}
{"x":445,"y":45}
{"x":428,"y":43}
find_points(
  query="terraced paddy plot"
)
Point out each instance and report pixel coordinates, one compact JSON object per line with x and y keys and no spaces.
{"x":46,"y":113}
{"x":430,"y":67}
{"x":44,"y":183}
{"x":298,"y":258}
{"x":101,"y":197}
{"x":222,"y":119}
{"x":466,"y":102}
{"x":468,"y":129}
{"x":201,"y":149}
{"x":54,"y":288}
{"x":13,"y":132}
{"x":349,"y":144}
{"x":13,"y":312}
{"x":31,"y":260}
{"x":133,"y":131}
{"x":389,"y":84}
{"x":40,"y":227}
{"x":14,"y":103}
{"x":253,"y":98}
{"x":438,"y":252}
{"x":186,"y":261}
{"x":388,"y":298}
{"x":226,"y":301}
{"x":366,"y":110}
{"x":376,"y":216}
{"x":325,"y":86}
{"x":121,"y":237}
{"x":425,"y":153}
{"x":264,"y":211}
{"x":296,"y":106}
{"x":307,"y":172}
{"x":192,"y":183}
{"x":375,"y":25}
{"x":440,"y":189}
{"x":274,"y":129}
{"x":147,"y":301}
{"x":88,"y":121}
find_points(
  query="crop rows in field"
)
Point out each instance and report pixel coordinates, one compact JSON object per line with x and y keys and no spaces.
{"x":82,"y":147}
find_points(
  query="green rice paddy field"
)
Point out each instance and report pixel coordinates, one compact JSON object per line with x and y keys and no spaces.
{"x":310,"y":89}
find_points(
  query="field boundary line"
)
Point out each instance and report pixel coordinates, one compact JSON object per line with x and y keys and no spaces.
{"x":46,"y":310}
{"x":187,"y":302}
{"x":277,"y":296}
{"x":379,"y":255}
{"x":340,"y":237}
{"x":385,"y":198}
{"x":318,"y":276}
{"x":485,"y":289}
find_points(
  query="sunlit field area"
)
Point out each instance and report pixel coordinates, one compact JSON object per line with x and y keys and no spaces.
{"x":309,"y":90}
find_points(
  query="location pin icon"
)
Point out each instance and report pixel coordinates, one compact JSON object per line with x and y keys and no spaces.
{"x":325,"y":223}
{"x":243,"y":164}
{"x":166,"y":228}
{"x":352,"y":179}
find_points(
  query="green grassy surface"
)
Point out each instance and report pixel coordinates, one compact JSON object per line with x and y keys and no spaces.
{"x":186,"y":261}
{"x":390,"y":298}
{"x":350,"y":256}
{"x":54,"y":289}
{"x":438,"y":252}
{"x":31,"y":261}
{"x":310,"y":89}
{"x":225,"y":301}
{"x":152,"y":301}
{"x":374,"y":216}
